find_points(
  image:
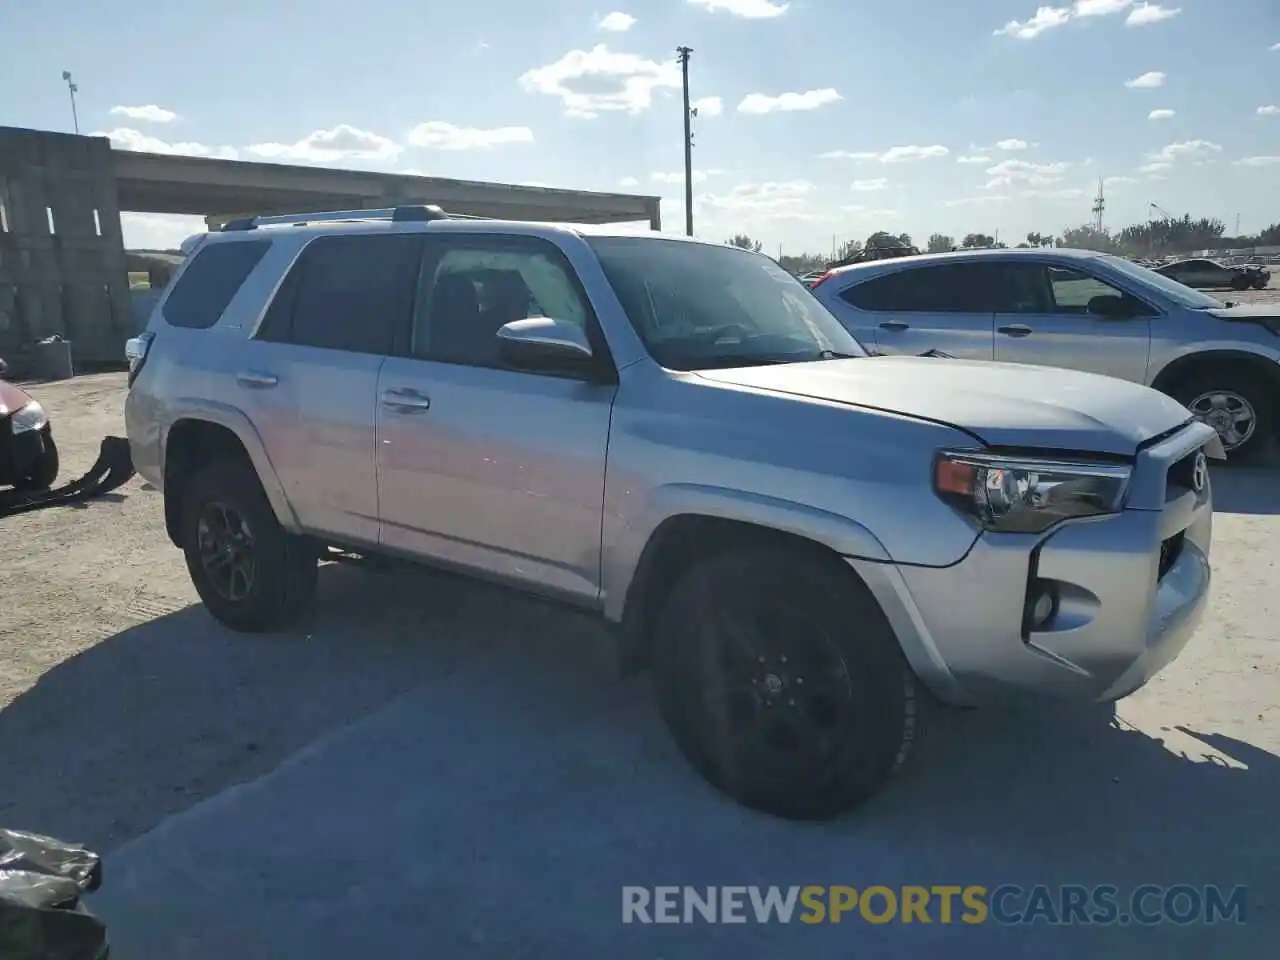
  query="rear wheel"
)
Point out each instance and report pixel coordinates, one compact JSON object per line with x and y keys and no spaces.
{"x":1236,"y":403}
{"x":251,"y":574}
{"x":782,"y":683}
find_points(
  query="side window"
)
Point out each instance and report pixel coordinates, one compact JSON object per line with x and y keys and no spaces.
{"x":212,"y":278}
{"x":947,"y":288}
{"x":346,"y":293}
{"x":1072,"y":291}
{"x":477,"y":286}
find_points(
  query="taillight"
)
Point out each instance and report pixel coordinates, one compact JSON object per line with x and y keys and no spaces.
{"x":135,"y":351}
{"x":822,"y":279}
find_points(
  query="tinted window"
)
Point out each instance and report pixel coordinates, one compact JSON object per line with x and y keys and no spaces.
{"x":1072,"y":290}
{"x":348,"y":293}
{"x":210,"y":281}
{"x":697,"y":306}
{"x":947,"y":288}
{"x":477,"y":286}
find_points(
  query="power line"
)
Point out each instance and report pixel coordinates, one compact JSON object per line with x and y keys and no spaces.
{"x":682,"y":53}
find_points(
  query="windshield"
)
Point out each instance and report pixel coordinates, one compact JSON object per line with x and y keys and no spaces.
{"x":698,"y":306}
{"x":1179,"y":293}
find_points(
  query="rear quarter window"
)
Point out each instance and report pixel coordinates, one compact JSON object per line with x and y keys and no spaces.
{"x":203,"y":290}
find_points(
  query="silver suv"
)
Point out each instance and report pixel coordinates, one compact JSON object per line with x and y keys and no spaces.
{"x":1080,"y":310}
{"x":797,"y":538}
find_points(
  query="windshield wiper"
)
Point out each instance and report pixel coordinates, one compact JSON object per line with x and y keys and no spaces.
{"x":837,"y":355}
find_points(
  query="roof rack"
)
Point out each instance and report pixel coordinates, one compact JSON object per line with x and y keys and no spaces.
{"x":416,"y":213}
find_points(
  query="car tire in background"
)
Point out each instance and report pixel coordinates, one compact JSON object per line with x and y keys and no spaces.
{"x":251,"y":574}
{"x":1240,"y":397}
{"x":782,"y":682}
{"x":45,"y":471}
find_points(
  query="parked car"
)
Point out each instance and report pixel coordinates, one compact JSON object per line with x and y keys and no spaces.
{"x":1080,"y":310}
{"x":1209,"y":274}
{"x":798,"y":539}
{"x":28,"y":454}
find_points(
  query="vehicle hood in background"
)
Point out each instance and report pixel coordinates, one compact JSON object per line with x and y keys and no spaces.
{"x":1004,"y":404}
{"x":1263,"y":314}
{"x":12,"y":398}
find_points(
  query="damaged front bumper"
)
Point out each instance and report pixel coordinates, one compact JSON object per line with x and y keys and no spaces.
{"x":112,"y":469}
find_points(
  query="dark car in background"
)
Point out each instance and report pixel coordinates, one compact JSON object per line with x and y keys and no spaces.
{"x":28,"y":455}
{"x":1203,"y":273}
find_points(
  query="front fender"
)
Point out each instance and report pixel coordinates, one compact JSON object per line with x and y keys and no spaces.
{"x":626,"y":539}
{"x":229,"y":417}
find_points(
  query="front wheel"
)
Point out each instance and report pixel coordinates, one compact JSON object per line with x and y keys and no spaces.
{"x":1260,"y":283}
{"x":1237,"y":404}
{"x":45,"y":470}
{"x":251,"y":574}
{"x":782,"y":683}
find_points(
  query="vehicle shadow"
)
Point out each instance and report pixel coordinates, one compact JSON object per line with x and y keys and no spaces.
{"x":1250,"y":490}
{"x":517,"y":752}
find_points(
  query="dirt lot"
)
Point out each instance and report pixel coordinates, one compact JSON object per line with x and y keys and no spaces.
{"x":440,"y":761}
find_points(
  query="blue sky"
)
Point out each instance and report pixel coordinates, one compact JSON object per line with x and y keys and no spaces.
{"x":818,"y":118}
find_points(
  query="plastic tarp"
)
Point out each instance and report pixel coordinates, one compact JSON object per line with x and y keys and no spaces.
{"x":41,"y":913}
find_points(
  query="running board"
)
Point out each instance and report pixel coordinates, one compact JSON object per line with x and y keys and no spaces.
{"x":112,"y":469}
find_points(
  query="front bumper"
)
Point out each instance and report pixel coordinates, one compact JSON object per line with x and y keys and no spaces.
{"x":1124,"y":612}
{"x":21,"y":453}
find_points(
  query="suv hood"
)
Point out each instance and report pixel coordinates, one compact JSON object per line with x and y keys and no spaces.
{"x":1263,"y":314}
{"x":1003,"y":404}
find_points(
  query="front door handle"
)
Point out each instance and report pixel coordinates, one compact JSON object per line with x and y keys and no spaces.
{"x":1015,"y":330}
{"x":405,"y":400}
{"x":895,"y":325}
{"x":256,"y":380}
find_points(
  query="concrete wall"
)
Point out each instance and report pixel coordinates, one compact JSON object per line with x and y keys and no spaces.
{"x":62,"y":265}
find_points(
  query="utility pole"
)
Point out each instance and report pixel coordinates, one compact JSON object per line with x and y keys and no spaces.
{"x":683,"y":55}
{"x":1099,"y":206}
{"x":71,"y":89}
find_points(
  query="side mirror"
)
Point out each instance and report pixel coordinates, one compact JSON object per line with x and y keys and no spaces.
{"x":1110,"y":307}
{"x":543,"y":345}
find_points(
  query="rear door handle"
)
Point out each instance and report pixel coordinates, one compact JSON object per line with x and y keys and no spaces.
{"x":895,"y":325}
{"x":1015,"y":330}
{"x":405,"y":400}
{"x":256,"y":380}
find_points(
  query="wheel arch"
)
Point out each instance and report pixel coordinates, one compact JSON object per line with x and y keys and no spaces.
{"x":1182,"y":368}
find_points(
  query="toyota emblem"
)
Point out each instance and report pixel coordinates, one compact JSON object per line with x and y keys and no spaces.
{"x":1200,"y":473}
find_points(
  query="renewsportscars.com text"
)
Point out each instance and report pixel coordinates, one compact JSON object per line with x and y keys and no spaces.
{"x":972,"y":904}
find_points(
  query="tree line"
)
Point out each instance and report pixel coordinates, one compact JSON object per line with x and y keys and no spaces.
{"x":1170,"y":236}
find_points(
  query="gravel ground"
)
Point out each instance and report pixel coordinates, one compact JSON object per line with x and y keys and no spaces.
{"x":466,"y":754}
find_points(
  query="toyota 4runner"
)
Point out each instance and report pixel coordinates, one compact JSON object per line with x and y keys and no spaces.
{"x":799,"y":540}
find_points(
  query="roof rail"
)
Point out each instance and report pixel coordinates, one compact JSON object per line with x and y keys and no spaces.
{"x":401,"y":214}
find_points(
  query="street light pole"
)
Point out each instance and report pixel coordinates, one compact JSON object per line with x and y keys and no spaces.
{"x":683,"y":54}
{"x":71,"y":89}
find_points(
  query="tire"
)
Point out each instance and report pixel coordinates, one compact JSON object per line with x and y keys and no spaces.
{"x":1243,"y":385}
{"x":870,"y":718}
{"x":45,"y":471}
{"x":1260,"y":283}
{"x":284,"y":568}
{"x":1241,"y":283}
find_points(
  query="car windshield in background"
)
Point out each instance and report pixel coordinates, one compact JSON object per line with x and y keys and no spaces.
{"x":699,"y":307}
{"x":1172,"y":289}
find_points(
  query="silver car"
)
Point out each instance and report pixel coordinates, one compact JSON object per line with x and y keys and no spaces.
{"x":804,"y":543}
{"x":1082,"y":311}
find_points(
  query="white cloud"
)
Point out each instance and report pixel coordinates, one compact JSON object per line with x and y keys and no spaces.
{"x":772,"y":199}
{"x":1099,"y":8}
{"x":148,"y":112}
{"x":1185,"y":149}
{"x":628,"y":81}
{"x":158,"y":231}
{"x":858,"y":155}
{"x":1274,"y":48}
{"x":1060,"y":193}
{"x":1009,"y":172}
{"x":973,"y":158}
{"x":1116,"y":181}
{"x":123,"y":138}
{"x":1269,"y":111}
{"x":1146,"y":13}
{"x":869,"y":186}
{"x":750,"y":9}
{"x":1258,"y":161}
{"x":976,"y":201}
{"x":1155,"y":167}
{"x":699,"y":176}
{"x":758,"y":103}
{"x":1146,"y":81}
{"x":1160,"y":115}
{"x":445,"y":136}
{"x":617,"y":22}
{"x":910,"y":154}
{"x":1012,"y":144}
{"x":708,"y":106}
{"x":343,"y":142}
{"x":628,"y":182}
{"x":1046,"y":18}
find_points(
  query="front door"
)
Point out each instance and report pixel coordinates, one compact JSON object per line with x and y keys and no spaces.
{"x":494,"y":470}
{"x":1044,"y":318}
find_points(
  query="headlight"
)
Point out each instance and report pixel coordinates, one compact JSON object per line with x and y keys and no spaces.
{"x":1026,"y":495}
{"x":31,"y":417}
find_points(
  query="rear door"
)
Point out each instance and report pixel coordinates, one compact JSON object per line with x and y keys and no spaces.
{"x":947,"y":307}
{"x":1043,"y":318}
{"x":309,"y":377}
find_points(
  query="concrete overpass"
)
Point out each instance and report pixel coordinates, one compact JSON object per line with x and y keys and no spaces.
{"x":62,"y":264}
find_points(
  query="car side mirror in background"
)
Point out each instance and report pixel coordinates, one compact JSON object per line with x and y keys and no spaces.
{"x":543,"y":345}
{"x":1110,"y":307}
